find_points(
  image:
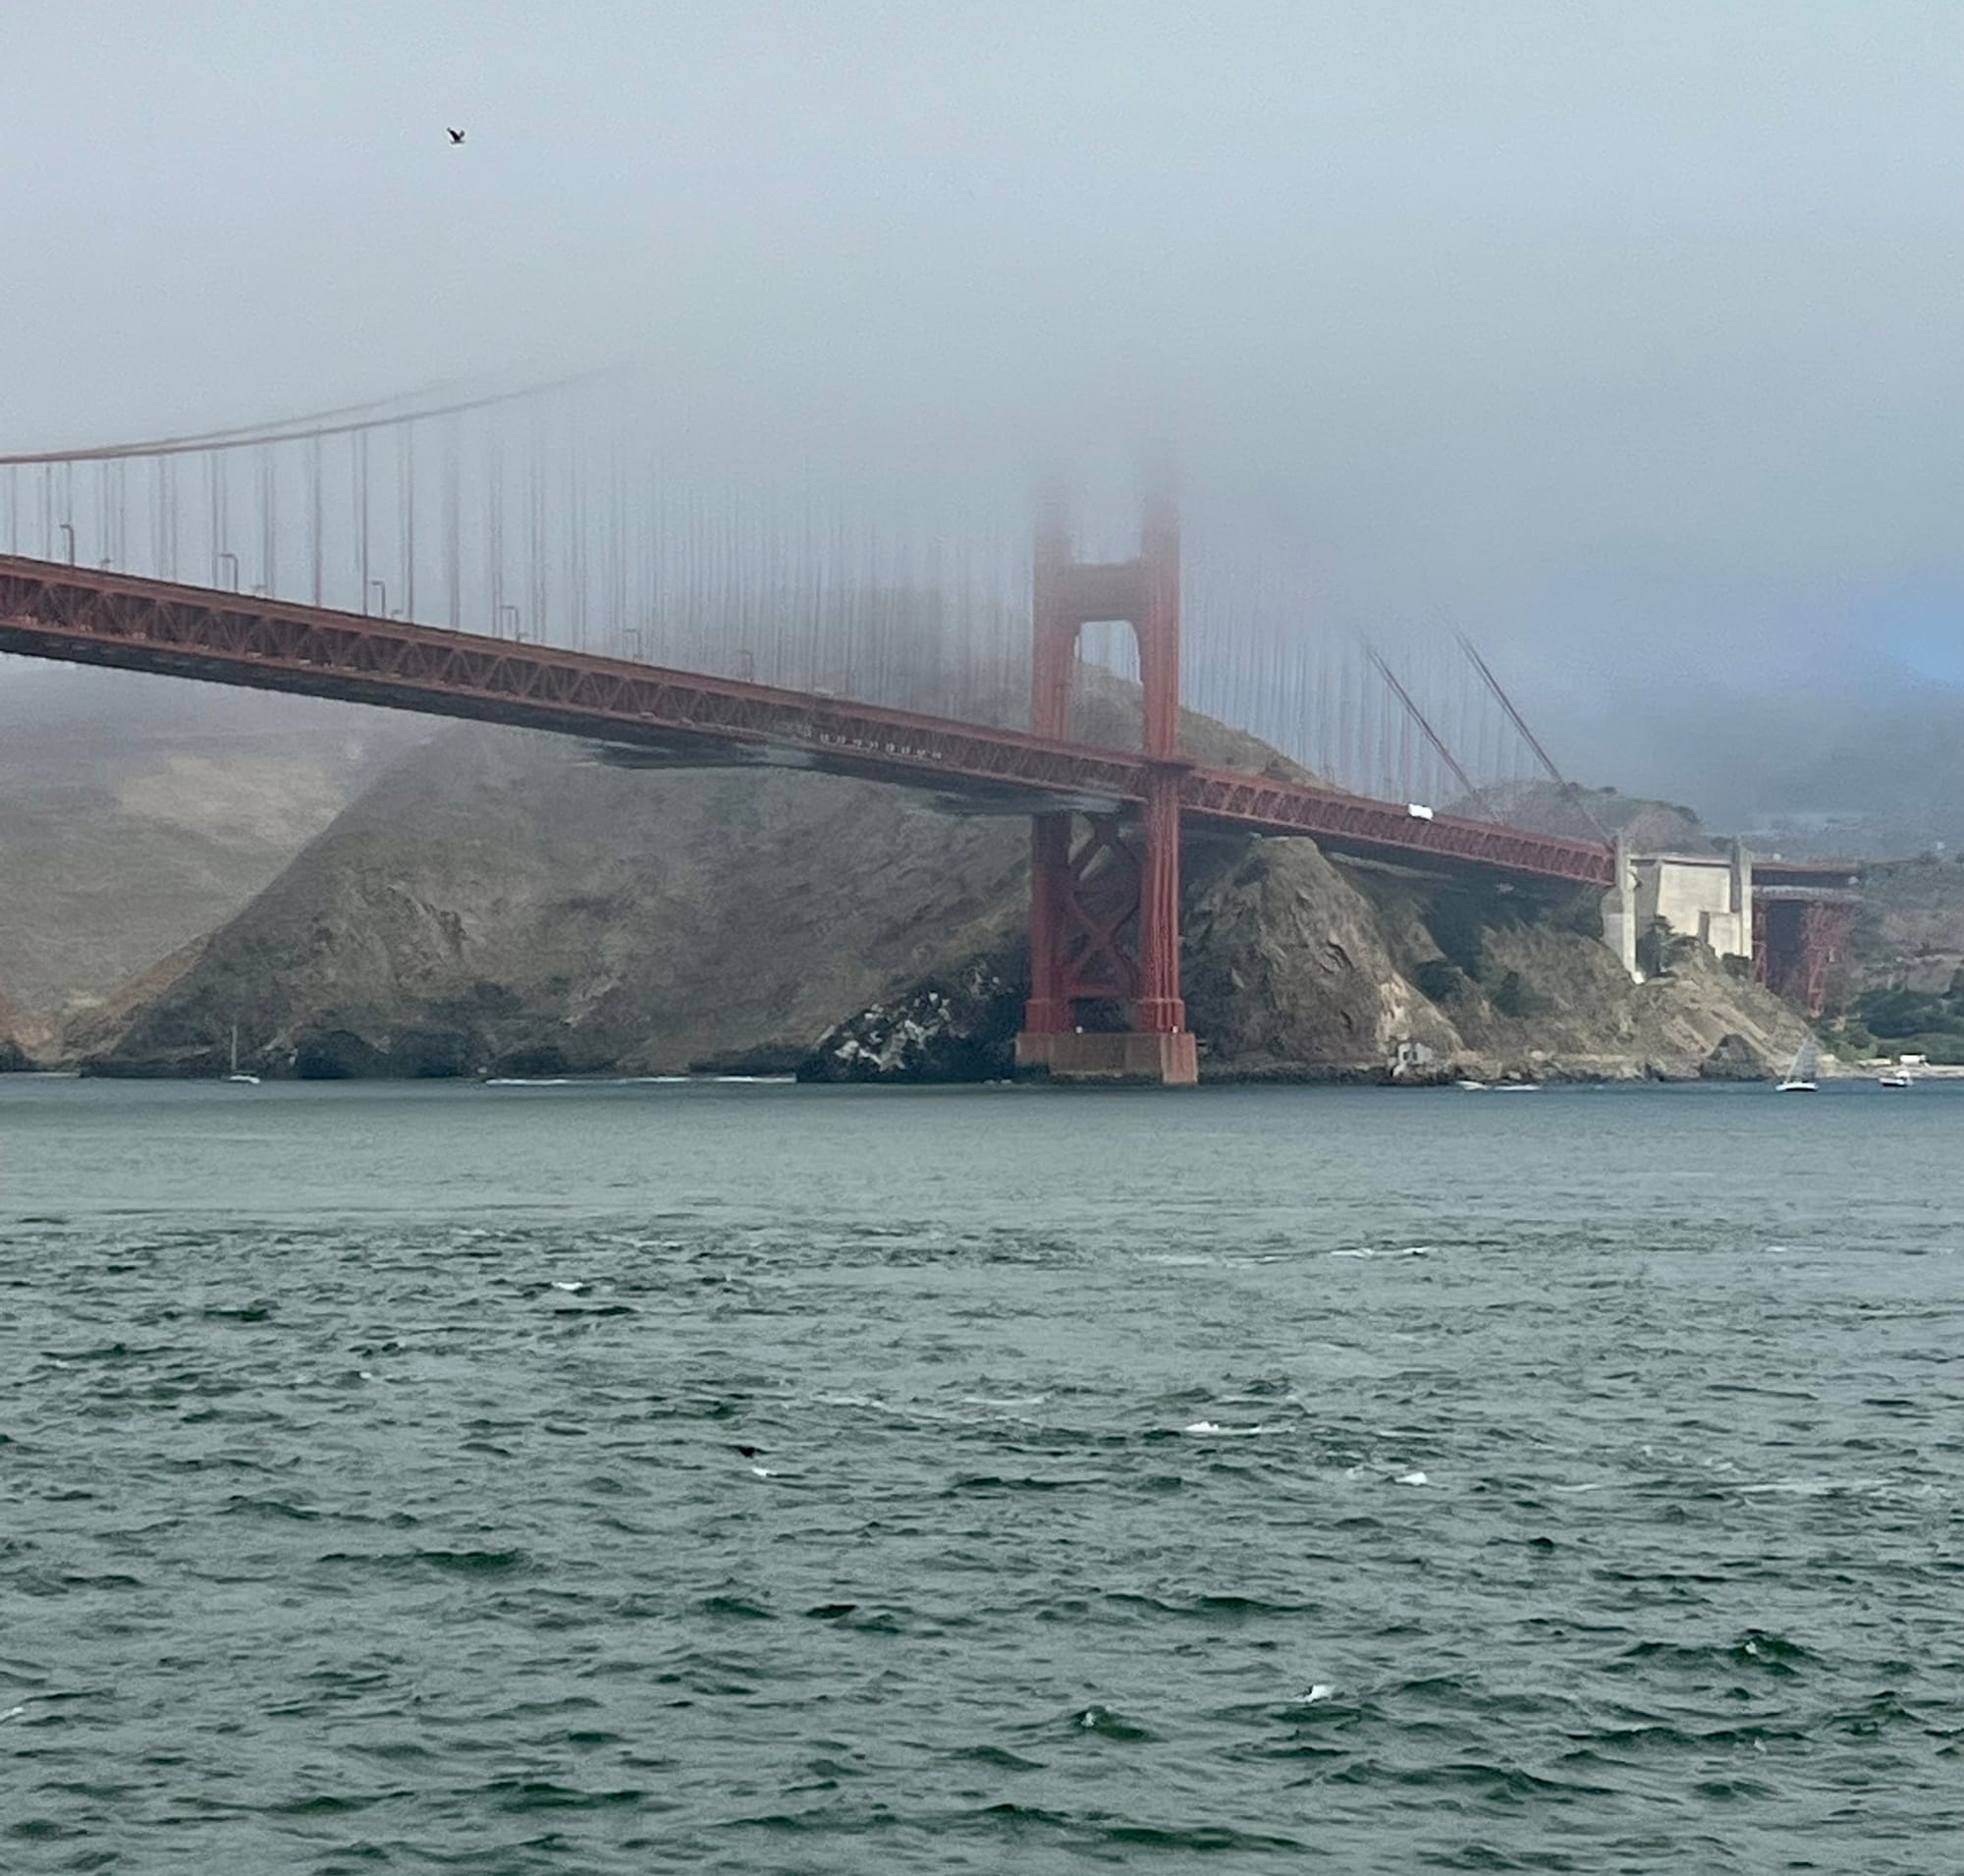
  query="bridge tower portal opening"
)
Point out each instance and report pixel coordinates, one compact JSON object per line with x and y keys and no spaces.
{"x":1797,"y":943}
{"x":1105,"y":906}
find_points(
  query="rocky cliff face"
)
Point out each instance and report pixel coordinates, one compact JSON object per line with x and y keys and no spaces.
{"x":1910,"y":932}
{"x":138,"y":814}
{"x":1299,"y":968}
{"x":1288,"y":965}
{"x":506,"y":903}
{"x":13,"y":1055}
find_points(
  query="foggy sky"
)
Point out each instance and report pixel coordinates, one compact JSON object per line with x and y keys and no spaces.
{"x":1627,"y":338}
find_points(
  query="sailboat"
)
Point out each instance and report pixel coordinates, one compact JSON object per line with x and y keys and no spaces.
{"x":1800,"y":1071}
{"x":249,"y":1080}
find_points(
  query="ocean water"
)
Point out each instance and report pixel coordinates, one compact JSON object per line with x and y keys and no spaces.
{"x":1250,"y":1479}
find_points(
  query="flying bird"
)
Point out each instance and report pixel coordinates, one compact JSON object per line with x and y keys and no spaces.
{"x":455,"y":136}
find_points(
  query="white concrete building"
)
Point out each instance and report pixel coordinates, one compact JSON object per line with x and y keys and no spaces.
{"x":1704,"y":895}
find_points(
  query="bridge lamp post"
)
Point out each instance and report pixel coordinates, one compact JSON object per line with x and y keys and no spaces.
{"x":517,"y":624}
{"x":68,"y":529}
{"x":381,"y":586}
{"x":225,"y":554}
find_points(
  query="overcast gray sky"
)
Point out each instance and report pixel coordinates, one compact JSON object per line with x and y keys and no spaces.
{"x":1622,"y":335}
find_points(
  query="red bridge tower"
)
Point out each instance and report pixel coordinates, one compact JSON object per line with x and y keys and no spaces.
{"x":1105,"y":909}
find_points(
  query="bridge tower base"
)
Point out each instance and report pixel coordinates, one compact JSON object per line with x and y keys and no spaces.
{"x":1123,"y":1058}
{"x":1105,"y":909}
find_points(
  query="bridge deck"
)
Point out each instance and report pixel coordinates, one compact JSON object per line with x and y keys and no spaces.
{"x":88,"y":615}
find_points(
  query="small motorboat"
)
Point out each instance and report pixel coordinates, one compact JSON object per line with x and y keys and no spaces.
{"x":1895,"y":1079}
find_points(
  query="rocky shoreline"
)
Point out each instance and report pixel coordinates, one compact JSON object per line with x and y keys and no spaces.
{"x":500,"y":903}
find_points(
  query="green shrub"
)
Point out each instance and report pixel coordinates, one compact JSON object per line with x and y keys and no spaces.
{"x":1440,"y":979}
{"x":1458,"y":931}
{"x":1654,"y":948}
{"x":1944,"y":1049}
{"x":1510,"y":995}
{"x":1904,"y":1013}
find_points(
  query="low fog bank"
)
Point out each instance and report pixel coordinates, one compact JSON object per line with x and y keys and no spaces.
{"x":1625,"y":342}
{"x":80,"y":714}
{"x":1871,"y":768}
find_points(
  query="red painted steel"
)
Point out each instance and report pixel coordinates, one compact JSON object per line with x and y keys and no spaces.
{"x":1807,"y":875}
{"x":1356,"y":824}
{"x":1096,"y":906}
{"x":1799,"y":936}
{"x":90,"y":615}
{"x":1130,"y":952}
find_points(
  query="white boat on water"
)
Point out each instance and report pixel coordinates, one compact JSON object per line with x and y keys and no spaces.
{"x":245,"y":1080}
{"x":1801,"y":1070}
{"x":1895,"y":1079}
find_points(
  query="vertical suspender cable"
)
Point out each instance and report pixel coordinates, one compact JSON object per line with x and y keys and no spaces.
{"x":314,"y":514}
{"x":406,"y":484}
{"x":360,"y":503}
{"x":268,"y":527}
{"x":453,"y":526}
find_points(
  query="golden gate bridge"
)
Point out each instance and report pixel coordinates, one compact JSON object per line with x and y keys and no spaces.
{"x":526,"y":556}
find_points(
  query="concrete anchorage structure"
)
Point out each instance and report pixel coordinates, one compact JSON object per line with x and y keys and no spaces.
{"x":1704,"y":895}
{"x":1104,"y":907}
{"x":1791,"y":920}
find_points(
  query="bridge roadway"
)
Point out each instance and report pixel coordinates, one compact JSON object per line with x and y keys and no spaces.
{"x":88,"y":616}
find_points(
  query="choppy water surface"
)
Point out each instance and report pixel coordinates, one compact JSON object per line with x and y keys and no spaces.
{"x":1392,"y":1480}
